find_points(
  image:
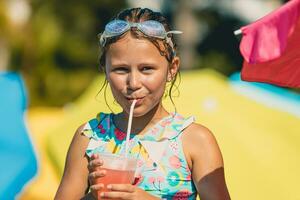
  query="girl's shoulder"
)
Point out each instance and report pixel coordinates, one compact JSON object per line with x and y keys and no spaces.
{"x":199,"y":141}
{"x":198,"y":132}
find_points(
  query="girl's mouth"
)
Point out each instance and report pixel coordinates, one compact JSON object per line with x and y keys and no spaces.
{"x":138,"y":102}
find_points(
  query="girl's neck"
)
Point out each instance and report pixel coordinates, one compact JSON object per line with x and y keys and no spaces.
{"x":141,"y":124}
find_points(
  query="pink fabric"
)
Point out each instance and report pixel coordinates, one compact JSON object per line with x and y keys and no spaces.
{"x":271,"y":48}
{"x":266,"y":39}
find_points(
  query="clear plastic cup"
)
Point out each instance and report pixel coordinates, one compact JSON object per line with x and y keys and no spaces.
{"x":119,"y":170}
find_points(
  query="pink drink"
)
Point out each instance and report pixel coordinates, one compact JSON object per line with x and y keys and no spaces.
{"x":119,"y":170}
{"x":115,"y":177}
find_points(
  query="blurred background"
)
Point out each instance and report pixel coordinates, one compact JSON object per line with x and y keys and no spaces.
{"x":53,"y":45}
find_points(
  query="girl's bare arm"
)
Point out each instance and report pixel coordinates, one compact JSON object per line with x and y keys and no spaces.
{"x":75,"y":177}
{"x":207,"y":166}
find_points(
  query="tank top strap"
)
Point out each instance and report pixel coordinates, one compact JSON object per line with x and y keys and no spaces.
{"x":93,"y":127}
{"x":188,"y":121}
{"x":97,"y":130}
{"x":176,"y":126}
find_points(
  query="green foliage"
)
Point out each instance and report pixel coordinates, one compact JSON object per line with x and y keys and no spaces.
{"x":58,"y":87}
{"x":58,"y":50}
{"x":2,"y":18}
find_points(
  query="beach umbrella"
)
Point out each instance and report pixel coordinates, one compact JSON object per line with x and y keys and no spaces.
{"x":17,"y":157}
{"x":270,"y":47}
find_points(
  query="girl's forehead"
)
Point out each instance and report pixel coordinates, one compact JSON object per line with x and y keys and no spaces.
{"x":129,"y":47}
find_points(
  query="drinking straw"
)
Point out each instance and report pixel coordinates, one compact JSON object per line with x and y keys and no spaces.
{"x":129,"y":127}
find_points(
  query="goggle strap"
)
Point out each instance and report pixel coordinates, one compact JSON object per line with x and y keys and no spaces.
{"x":102,"y":40}
{"x":169,"y":41}
{"x":174,"y":32}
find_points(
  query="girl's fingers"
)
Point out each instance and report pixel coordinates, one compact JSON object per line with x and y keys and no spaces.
{"x":121,"y":187}
{"x":93,"y":164}
{"x":116,"y":195}
{"x":97,"y":174}
{"x":95,"y":188}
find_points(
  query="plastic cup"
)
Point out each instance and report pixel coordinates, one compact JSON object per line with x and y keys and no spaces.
{"x":119,"y":170}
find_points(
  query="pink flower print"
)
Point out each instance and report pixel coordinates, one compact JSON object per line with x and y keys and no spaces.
{"x":189,"y":177}
{"x":179,"y":117}
{"x":101,"y":128}
{"x":140,"y":163}
{"x":161,"y":179}
{"x":165,"y":123}
{"x":188,"y":170}
{"x":175,"y":162}
{"x":182,"y":195}
{"x":138,"y":180}
{"x":119,"y":134}
{"x":174,"y":146}
{"x":151,"y":180}
{"x":154,"y":131}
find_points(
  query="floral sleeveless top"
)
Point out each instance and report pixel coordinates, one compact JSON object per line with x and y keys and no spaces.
{"x":162,"y":167}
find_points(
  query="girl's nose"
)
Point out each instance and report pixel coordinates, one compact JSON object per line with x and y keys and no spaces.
{"x":134,"y":82}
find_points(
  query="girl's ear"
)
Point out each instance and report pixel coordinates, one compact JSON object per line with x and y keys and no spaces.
{"x":173,"y":69}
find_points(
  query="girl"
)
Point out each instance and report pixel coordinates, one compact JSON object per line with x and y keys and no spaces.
{"x":178,"y":158}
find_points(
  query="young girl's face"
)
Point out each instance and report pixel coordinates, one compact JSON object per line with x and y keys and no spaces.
{"x":135,"y":69}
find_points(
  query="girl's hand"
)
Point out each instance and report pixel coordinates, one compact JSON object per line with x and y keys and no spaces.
{"x":127,"y":192}
{"x":95,"y":172}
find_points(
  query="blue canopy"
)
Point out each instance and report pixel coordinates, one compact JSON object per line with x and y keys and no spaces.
{"x":18,"y":161}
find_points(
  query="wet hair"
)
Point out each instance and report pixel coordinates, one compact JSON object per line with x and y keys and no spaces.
{"x":139,"y":15}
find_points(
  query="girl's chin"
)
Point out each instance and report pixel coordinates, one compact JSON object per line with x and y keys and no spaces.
{"x":138,"y":111}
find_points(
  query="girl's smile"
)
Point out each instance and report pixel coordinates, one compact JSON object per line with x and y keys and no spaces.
{"x":138,"y":102}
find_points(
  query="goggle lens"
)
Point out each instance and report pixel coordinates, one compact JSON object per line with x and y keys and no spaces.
{"x":116,"y":27}
{"x":153,"y":29}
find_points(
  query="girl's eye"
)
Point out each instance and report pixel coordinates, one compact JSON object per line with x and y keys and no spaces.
{"x":147,"y":69}
{"x":120,"y":69}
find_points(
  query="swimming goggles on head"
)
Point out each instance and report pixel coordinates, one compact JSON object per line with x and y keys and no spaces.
{"x":150,"y":28}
